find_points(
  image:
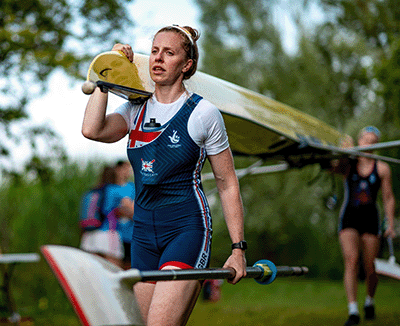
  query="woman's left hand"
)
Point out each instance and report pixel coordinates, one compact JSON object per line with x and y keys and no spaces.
{"x":237,"y":261}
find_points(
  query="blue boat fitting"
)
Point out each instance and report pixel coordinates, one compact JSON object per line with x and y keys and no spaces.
{"x":269,"y":271}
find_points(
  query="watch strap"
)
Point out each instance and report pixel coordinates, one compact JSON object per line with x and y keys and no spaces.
{"x":239,"y":245}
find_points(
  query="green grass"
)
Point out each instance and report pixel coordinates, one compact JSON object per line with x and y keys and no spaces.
{"x":293,"y":302}
{"x":287,"y":301}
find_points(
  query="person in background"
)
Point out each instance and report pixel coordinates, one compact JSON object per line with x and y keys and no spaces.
{"x":104,"y":240}
{"x":172,"y":221}
{"x":124,"y":195}
{"x":212,"y":290}
{"x":359,"y":224}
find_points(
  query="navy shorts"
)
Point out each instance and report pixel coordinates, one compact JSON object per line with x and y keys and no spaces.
{"x":365,"y":219}
{"x":179,"y":235}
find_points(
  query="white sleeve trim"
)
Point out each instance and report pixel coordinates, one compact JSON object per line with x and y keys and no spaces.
{"x":207,"y":128}
{"x":127,"y":111}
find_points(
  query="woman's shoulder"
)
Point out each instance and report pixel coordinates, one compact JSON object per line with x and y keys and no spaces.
{"x":127,"y":107}
{"x":205,"y":108}
{"x":383,"y":169}
{"x":204,"y":102}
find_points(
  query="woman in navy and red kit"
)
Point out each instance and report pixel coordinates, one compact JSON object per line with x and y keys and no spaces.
{"x":172,"y":222}
{"x":359,"y":224}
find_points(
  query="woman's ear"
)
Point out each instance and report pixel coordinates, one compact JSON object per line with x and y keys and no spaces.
{"x":187,"y":66}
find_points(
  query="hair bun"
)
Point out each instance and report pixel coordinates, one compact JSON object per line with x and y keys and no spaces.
{"x":194,"y":32}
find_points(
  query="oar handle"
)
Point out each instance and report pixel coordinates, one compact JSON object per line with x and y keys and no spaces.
{"x":264,"y":272}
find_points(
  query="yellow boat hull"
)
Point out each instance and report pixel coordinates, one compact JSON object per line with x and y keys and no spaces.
{"x":256,"y":125}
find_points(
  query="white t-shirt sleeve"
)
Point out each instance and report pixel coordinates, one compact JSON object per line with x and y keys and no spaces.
{"x":128,"y":112}
{"x":207,"y":128}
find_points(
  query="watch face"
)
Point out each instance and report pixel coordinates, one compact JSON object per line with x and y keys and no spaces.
{"x":240,"y":245}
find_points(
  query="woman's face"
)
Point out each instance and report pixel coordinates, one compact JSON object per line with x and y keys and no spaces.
{"x":168,"y":60}
{"x":367,"y":138}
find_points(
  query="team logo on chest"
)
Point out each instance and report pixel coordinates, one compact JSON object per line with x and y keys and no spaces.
{"x":147,"y":166}
{"x":174,"y":140}
{"x":363,"y":195}
{"x":363,"y":185}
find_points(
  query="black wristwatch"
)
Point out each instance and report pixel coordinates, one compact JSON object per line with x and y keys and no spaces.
{"x":240,"y":245}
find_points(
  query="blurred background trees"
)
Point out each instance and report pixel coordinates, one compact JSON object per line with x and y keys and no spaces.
{"x":40,"y":200}
{"x":37,"y":39}
{"x":343,"y":68}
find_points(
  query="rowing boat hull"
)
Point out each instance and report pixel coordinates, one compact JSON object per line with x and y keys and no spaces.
{"x":256,"y":125}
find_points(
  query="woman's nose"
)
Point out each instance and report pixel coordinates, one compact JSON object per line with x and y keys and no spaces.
{"x":158,"y":56}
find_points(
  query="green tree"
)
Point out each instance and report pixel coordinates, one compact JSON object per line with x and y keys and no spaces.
{"x":239,"y":40}
{"x":369,"y":30}
{"x":359,"y":39}
{"x":38,"y":37}
{"x":243,"y":44}
{"x":344,"y":71}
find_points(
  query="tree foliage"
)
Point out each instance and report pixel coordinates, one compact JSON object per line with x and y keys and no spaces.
{"x":359,"y":43}
{"x":339,"y":72}
{"x":370,"y":31}
{"x":242,"y":42}
{"x":38,"y":37}
{"x":343,"y":71}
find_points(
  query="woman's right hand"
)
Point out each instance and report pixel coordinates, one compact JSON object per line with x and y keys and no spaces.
{"x":124,"y":48}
